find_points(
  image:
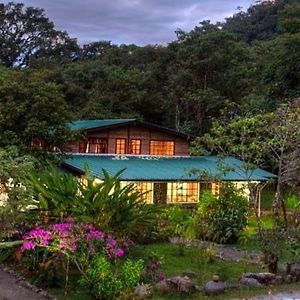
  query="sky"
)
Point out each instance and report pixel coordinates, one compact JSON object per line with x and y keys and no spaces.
{"x":139,"y":22}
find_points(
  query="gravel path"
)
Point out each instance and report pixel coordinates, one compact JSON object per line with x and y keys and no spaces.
{"x":288,"y":295}
{"x":14,"y":287}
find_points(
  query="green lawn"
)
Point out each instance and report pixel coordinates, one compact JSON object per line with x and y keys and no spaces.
{"x":193,"y":260}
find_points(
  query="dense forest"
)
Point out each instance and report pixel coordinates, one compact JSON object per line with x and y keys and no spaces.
{"x":246,"y":65}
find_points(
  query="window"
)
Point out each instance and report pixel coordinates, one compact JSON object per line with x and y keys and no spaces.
{"x":161,"y":147}
{"x":181,"y":192}
{"x":142,"y":187}
{"x":84,"y":147}
{"x":146,"y":189}
{"x":215,"y":188}
{"x":120,"y":146}
{"x":98,"y":145}
{"x":93,"y":145}
{"x":135,"y":146}
{"x":37,"y":143}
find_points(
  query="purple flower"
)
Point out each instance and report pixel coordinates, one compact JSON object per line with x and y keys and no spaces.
{"x":95,"y":234}
{"x":111,"y":244}
{"x":39,"y":234}
{"x":161,"y":277}
{"x":120,"y":252}
{"x":28,"y":245}
{"x":63,"y":229}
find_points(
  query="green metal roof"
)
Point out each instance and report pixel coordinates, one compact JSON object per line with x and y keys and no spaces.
{"x":90,"y":124}
{"x":175,"y":168}
{"x":95,"y":124}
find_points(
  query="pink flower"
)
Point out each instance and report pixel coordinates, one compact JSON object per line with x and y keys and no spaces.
{"x":111,"y":244}
{"x":161,"y":277}
{"x":28,"y":245}
{"x":95,"y":235}
{"x":120,"y":252}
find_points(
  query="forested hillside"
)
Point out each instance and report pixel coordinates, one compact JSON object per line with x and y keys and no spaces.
{"x":246,"y":65}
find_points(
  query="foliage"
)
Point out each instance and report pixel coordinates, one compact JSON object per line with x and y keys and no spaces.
{"x":222,"y":219}
{"x":26,"y":98}
{"x":15,"y":198}
{"x":90,"y":249}
{"x":280,"y":245}
{"x":119,"y":209}
{"x":26,"y":34}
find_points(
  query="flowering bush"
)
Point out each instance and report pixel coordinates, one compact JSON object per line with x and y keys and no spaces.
{"x":70,"y":239}
{"x":80,"y":244}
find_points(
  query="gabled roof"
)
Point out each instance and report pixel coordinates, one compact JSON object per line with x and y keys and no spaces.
{"x":90,"y":125}
{"x":172,"y":168}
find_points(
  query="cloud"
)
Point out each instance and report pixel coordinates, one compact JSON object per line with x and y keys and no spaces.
{"x":139,"y":22}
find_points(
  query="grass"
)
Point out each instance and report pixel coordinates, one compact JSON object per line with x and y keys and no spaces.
{"x":193,"y":260}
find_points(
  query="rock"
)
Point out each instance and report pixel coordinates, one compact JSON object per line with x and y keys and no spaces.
{"x":295,"y":271}
{"x":215,"y":278}
{"x":263,"y":278}
{"x":214,"y":287}
{"x":189,"y":274}
{"x":252,"y":282}
{"x":182,"y":284}
{"x":163,"y":286}
{"x":143,"y":291}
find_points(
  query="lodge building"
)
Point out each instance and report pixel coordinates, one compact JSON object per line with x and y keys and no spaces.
{"x":154,"y":158}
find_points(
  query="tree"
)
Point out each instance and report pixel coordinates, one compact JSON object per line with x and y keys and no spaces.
{"x":259,"y":22}
{"x":27,"y":35}
{"x":32,"y":107}
{"x":14,"y":197}
{"x":285,"y":145}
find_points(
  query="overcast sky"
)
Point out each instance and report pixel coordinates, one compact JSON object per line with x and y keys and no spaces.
{"x":133,"y":21}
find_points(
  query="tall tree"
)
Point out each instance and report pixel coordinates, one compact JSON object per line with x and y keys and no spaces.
{"x":26,"y":35}
{"x":31,"y":107}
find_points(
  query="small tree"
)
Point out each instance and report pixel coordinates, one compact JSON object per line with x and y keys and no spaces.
{"x":14,"y":196}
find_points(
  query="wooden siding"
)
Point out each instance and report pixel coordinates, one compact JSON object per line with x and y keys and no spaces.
{"x":129,"y":132}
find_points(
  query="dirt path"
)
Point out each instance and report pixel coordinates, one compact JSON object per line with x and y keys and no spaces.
{"x":13,"y":287}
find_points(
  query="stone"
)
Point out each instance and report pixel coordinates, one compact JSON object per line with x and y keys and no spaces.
{"x":215,"y":278}
{"x":252,"y":282}
{"x":263,"y":278}
{"x":143,"y":291}
{"x":214,"y":287}
{"x":182,"y":284}
{"x":163,"y":286}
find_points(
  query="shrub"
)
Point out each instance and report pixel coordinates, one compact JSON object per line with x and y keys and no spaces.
{"x":221,"y":219}
{"x":107,"y":282}
{"x":97,"y":255}
{"x":118,"y":209}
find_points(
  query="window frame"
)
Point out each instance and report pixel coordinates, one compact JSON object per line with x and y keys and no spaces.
{"x":162,"y":141}
{"x":125,"y":145}
{"x":87,"y":143}
{"x":172,"y":198}
{"x":140,"y":146}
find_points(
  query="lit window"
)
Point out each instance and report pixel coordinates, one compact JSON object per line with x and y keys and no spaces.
{"x":135,"y":146}
{"x":84,"y":147}
{"x":215,"y":188}
{"x":37,"y":143}
{"x":98,"y":145}
{"x":120,"y":146}
{"x":161,"y":147}
{"x":182,"y":192}
{"x":93,"y":145}
{"x":144,"y":188}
